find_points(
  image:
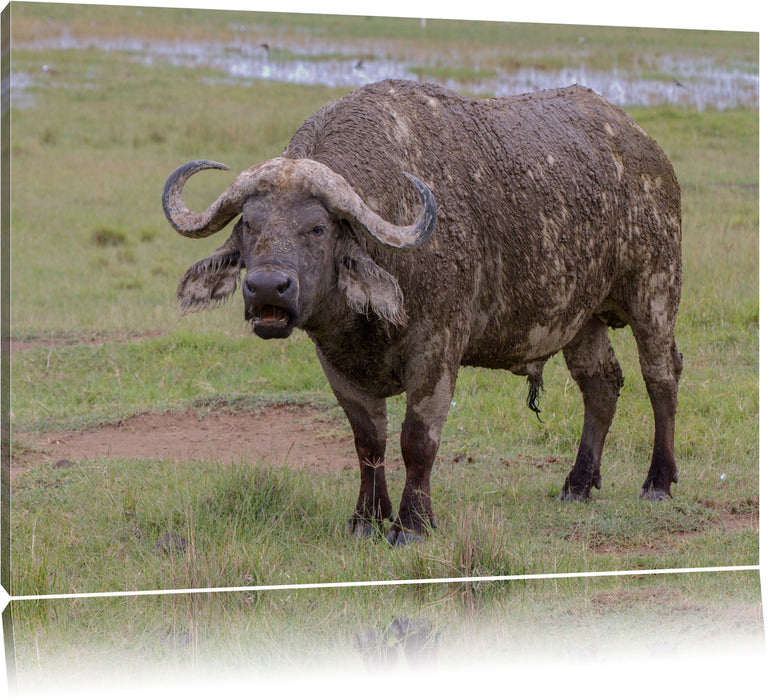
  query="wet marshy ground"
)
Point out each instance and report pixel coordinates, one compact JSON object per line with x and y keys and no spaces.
{"x":675,"y":78}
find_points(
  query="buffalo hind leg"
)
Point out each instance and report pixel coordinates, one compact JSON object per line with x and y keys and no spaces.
{"x":661,"y":367}
{"x":427,"y":409}
{"x":369,"y":422}
{"x":593,"y":366}
{"x":652,"y":314}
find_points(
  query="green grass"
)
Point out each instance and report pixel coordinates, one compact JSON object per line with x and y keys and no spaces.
{"x":95,"y":267}
{"x":249,"y":520}
{"x":78,"y":386}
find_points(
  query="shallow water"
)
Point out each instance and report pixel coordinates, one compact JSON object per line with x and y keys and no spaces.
{"x":693,"y":82}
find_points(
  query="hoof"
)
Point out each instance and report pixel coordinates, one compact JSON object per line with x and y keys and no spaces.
{"x":570,"y":497}
{"x":399,"y":538}
{"x":654,"y":495}
{"x":362,"y":528}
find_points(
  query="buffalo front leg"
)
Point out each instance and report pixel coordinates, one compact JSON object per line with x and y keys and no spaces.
{"x":369,"y":423}
{"x":427,"y":409}
{"x":369,"y":435}
{"x":591,"y":361}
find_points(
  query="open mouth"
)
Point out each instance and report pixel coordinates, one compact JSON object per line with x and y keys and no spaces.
{"x":271,"y":322}
{"x":271,"y":316}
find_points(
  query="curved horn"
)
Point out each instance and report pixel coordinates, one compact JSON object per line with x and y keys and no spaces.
{"x":340,"y":197}
{"x":316,"y":178}
{"x":192,"y":224}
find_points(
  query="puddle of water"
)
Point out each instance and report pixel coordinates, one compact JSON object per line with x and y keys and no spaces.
{"x":693,"y":82}
{"x":701,"y":91}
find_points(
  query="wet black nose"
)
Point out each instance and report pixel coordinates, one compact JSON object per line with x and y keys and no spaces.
{"x":268,"y":287}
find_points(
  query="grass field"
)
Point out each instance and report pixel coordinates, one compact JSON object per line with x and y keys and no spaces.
{"x":94,"y":270}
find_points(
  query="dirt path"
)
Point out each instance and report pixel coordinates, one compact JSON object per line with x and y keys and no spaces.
{"x":293,"y":434}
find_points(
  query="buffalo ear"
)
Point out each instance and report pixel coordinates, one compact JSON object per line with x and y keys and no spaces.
{"x":368,"y":287}
{"x":210,"y":281}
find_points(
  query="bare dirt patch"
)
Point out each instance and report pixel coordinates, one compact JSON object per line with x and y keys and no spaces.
{"x":730,"y":517}
{"x":298,"y":436}
{"x":14,"y":345}
{"x":743,"y":515}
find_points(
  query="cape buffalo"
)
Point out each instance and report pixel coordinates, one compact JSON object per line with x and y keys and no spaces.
{"x":409,"y":230}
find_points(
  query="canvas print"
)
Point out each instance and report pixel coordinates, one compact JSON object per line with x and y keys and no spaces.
{"x":375,"y":341}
